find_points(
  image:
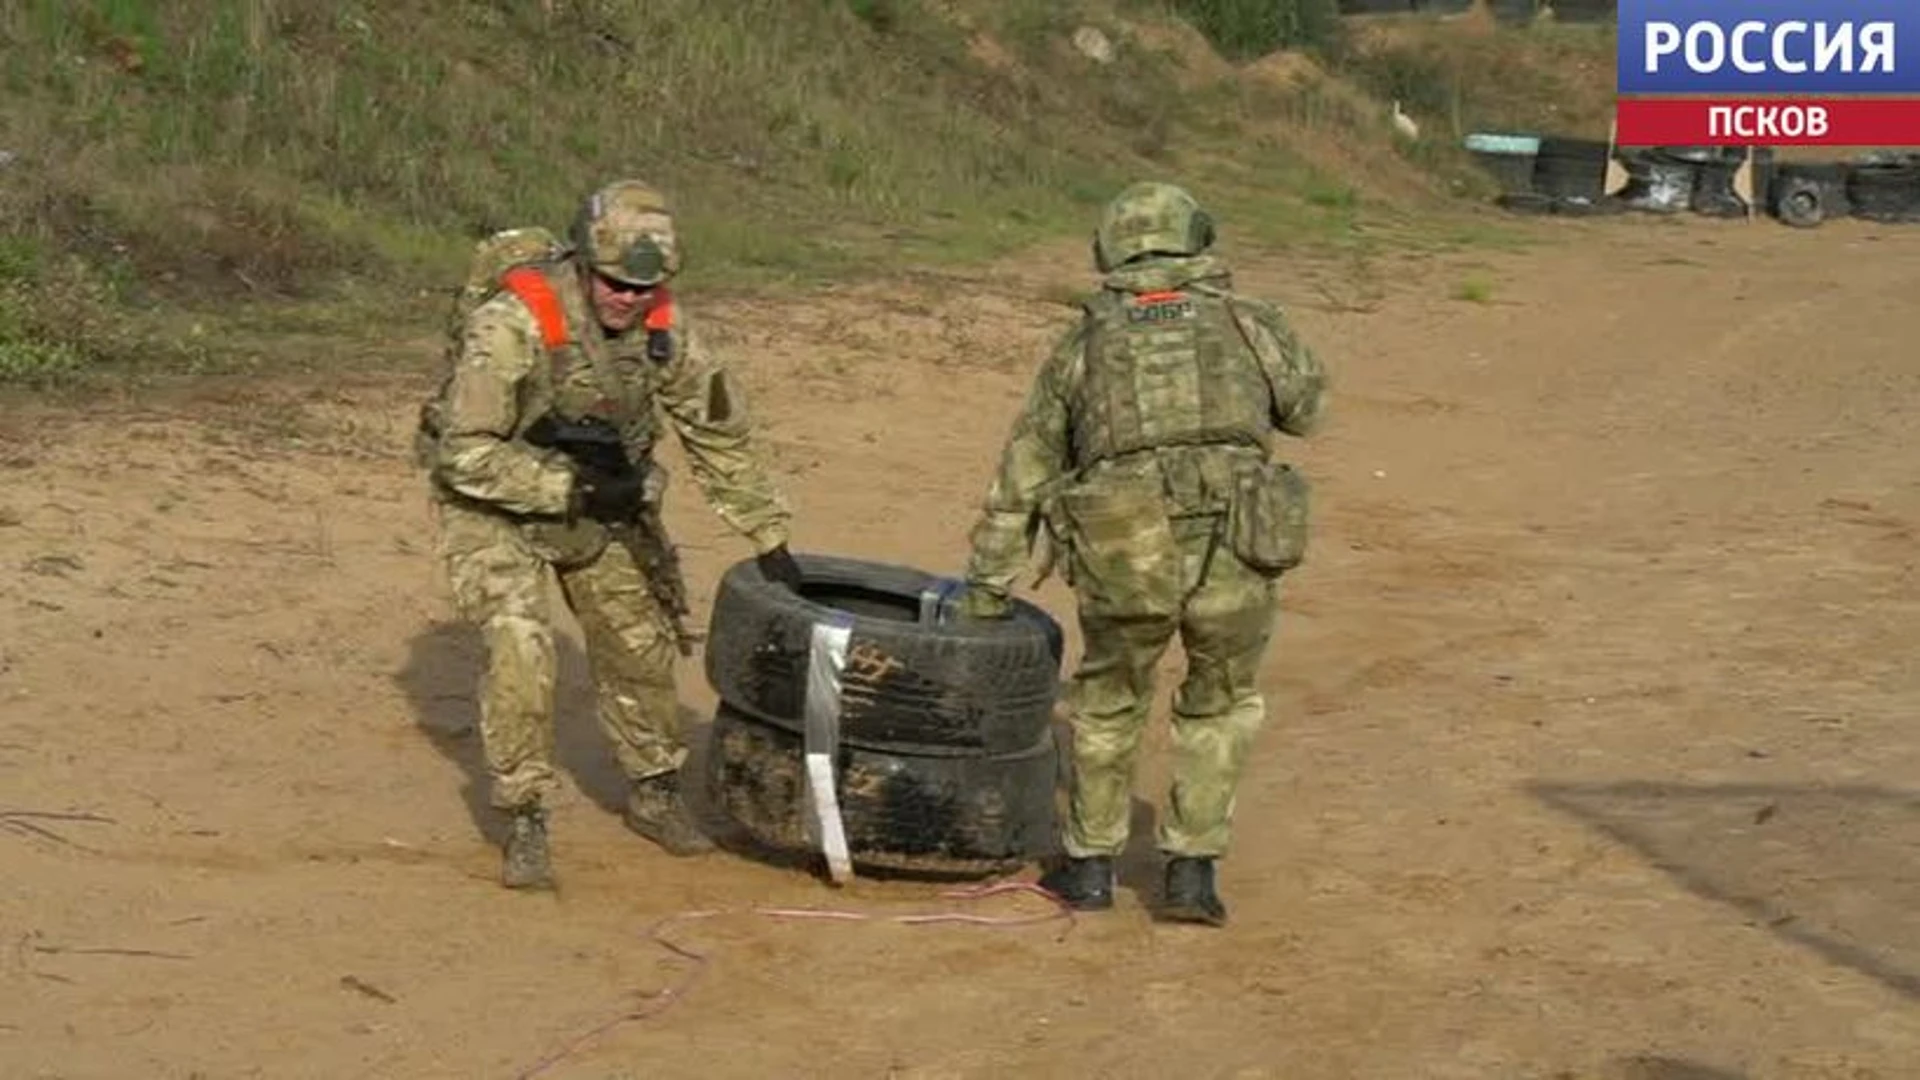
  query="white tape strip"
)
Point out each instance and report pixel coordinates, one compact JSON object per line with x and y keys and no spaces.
{"x":936,"y":603}
{"x":826,"y":659}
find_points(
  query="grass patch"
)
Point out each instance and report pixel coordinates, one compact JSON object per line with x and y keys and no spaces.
{"x":183,"y":181}
{"x":1456,"y":76}
{"x":1244,"y":29}
{"x":1474,"y":291}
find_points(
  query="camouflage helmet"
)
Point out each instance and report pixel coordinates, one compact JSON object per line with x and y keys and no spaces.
{"x":625,"y":231}
{"x":1154,"y":218}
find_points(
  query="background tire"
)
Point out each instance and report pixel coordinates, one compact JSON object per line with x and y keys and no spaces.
{"x":1885,"y":192}
{"x":937,"y":816}
{"x":1571,"y":169}
{"x":1656,"y":184}
{"x":1806,"y":195}
{"x":967,"y":687}
{"x":1525,"y":202}
{"x":1713,"y":193}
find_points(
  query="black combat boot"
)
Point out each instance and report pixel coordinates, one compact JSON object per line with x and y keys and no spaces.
{"x":1190,"y":895}
{"x":526,"y":864}
{"x":657,"y":810}
{"x":1085,"y":884}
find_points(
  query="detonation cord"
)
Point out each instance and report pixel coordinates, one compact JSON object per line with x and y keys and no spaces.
{"x":660,"y":1002}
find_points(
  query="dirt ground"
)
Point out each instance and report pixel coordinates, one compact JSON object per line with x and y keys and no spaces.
{"x":1590,"y":756}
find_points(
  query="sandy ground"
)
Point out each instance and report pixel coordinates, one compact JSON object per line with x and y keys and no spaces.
{"x":1590,"y":753}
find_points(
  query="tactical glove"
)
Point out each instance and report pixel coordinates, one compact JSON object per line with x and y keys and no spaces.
{"x":607,"y":498}
{"x":778,"y":566}
{"x":985,"y":602}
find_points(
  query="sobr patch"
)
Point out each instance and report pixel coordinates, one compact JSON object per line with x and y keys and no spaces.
{"x":1160,"y":307}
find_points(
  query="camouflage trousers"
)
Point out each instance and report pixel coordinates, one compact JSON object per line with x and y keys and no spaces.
{"x":501,"y":584}
{"x":1224,"y":626}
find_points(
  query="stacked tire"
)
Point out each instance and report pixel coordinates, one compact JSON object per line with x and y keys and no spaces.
{"x":1713,"y":194}
{"x":1804,"y":195}
{"x":1675,"y":179}
{"x":945,"y":760}
{"x":1572,"y":171}
{"x":1658,"y":181}
{"x":1568,"y":177}
{"x":1886,"y":191}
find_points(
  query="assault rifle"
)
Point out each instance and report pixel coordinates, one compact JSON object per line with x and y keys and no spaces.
{"x":598,"y":450}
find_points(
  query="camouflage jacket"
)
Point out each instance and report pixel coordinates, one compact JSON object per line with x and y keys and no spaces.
{"x":1039,"y":457}
{"x":505,"y":376}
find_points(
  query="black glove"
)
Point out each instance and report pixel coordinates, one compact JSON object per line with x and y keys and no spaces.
{"x":602,"y":497}
{"x":778,"y":566}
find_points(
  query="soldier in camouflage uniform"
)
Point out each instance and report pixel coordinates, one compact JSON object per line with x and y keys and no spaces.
{"x":1144,"y":452}
{"x":589,"y":331}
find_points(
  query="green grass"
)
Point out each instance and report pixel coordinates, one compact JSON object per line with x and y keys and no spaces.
{"x":193,"y":179}
{"x":1474,"y":291}
{"x":1456,"y":77}
{"x":1245,"y":29}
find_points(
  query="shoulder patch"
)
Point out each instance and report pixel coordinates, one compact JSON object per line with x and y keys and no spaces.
{"x":1160,"y":307}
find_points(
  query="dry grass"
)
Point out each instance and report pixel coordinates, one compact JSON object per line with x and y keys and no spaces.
{"x":189,"y":181}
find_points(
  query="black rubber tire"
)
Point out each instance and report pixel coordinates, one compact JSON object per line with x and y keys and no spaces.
{"x":968,"y":687}
{"x":1695,"y":155}
{"x":1571,"y":169}
{"x":1569,"y":177}
{"x":1525,"y":202}
{"x":1885,"y":192}
{"x":1806,"y":195}
{"x":1800,"y":201}
{"x":1713,"y":193}
{"x":1656,"y":185}
{"x":1512,"y":172}
{"x":904,"y":814}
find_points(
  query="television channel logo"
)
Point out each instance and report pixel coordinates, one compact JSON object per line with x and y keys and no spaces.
{"x":1768,"y":73}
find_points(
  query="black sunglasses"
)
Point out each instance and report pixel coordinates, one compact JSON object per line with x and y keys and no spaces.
{"x":625,"y":288}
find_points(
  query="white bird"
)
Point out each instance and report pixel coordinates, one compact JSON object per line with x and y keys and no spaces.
{"x":1404,"y":123}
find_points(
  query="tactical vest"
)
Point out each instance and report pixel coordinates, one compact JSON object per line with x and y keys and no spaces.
{"x":528,"y":263}
{"x":1166,"y":369}
{"x":578,"y":377}
{"x":613,"y":380}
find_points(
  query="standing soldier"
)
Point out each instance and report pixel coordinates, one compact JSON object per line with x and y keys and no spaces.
{"x":540,"y":449}
{"x":1143,"y":448}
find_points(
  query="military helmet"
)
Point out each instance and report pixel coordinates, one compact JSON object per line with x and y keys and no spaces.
{"x":625,"y":231}
{"x":1151,"y":218}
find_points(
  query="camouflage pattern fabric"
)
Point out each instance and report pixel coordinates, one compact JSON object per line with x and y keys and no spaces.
{"x":1142,"y":536}
{"x":1150,"y":218}
{"x":504,"y":534}
{"x":505,"y":378}
{"x":625,"y":231}
{"x":501,"y":584}
{"x":1040,"y":457}
{"x":1224,"y":625}
{"x":1165,"y":367}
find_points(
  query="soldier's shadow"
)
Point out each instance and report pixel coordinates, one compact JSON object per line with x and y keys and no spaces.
{"x":1138,"y":867}
{"x":441,"y":679}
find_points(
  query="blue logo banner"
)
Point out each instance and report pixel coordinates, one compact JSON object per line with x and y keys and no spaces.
{"x":1769,"y":47}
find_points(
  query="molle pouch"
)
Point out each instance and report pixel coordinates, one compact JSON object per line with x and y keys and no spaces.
{"x":1121,"y":556}
{"x":566,"y":544}
{"x":1267,"y":521}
